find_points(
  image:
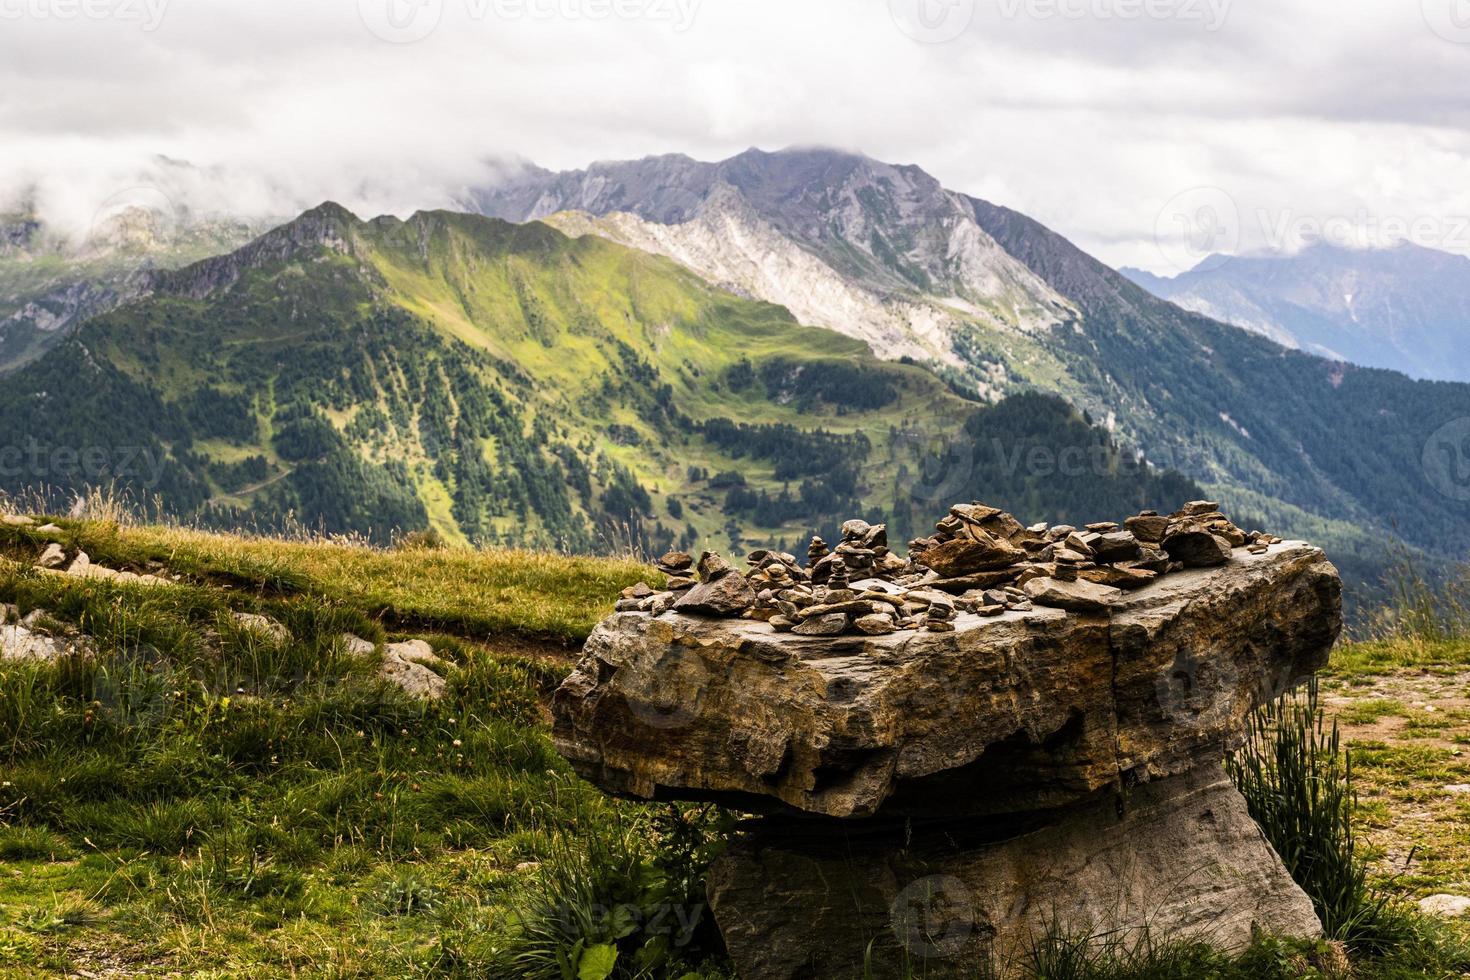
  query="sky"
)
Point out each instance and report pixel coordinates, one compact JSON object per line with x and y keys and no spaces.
{"x":1150,"y":132}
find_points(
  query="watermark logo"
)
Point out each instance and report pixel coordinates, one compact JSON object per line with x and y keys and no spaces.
{"x":945,"y":466}
{"x":1204,"y":691}
{"x":1209,"y":13}
{"x":140,"y":218}
{"x":1446,"y":460}
{"x":147,"y":14}
{"x":1198,"y":224}
{"x":1450,"y":19}
{"x":934,"y":917}
{"x":932,"y":21}
{"x":410,"y":21}
{"x":670,"y":697}
{"x":138,"y":688}
{"x":34,"y":462}
{"x":1203,"y":228}
{"x":401,"y":21}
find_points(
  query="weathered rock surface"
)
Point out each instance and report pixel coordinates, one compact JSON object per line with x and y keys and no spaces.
{"x":1181,"y":855}
{"x":1446,"y":906}
{"x":19,"y":643}
{"x":409,"y":666}
{"x":262,"y":626}
{"x":1008,"y":713}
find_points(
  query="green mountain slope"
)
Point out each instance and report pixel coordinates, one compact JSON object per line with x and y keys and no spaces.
{"x":507,"y":383}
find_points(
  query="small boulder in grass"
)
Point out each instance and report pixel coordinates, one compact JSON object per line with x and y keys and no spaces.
{"x":53,"y":557}
{"x":408,"y":666}
{"x":1446,"y":906}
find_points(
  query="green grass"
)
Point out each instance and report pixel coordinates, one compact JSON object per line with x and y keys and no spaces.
{"x":196,"y":798}
{"x":531,"y":595}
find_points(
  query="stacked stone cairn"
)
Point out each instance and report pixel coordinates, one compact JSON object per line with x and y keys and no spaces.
{"x":979,"y":560}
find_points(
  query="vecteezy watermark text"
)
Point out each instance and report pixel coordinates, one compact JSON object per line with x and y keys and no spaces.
{"x":148,"y":14}
{"x":407,"y":21}
{"x":35,"y":462}
{"x":1209,"y":13}
{"x":1206,"y":225}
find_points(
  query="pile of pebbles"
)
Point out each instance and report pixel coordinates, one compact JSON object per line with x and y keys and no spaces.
{"x":980,"y":560}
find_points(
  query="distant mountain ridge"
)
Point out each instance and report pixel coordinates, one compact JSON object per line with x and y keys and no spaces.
{"x":1321,"y":448}
{"x":50,"y":284}
{"x":1406,"y":308}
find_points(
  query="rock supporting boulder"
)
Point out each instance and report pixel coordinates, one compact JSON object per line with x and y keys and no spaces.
{"x":1181,"y":857}
{"x":1045,"y":729}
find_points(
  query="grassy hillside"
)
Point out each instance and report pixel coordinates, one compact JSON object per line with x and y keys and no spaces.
{"x":506,"y":384}
{"x":190,"y":797}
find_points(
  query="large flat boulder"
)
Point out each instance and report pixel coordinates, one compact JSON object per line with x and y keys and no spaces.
{"x":1011,"y":713}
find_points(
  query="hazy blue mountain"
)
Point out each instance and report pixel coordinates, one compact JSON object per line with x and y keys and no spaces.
{"x":1406,"y":308}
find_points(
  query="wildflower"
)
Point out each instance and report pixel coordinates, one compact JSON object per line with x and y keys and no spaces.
{"x":457,"y":743}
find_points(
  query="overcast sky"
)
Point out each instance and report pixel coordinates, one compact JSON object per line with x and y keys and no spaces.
{"x":1145,"y":130}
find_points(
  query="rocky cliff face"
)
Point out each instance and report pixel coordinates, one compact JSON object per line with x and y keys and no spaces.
{"x":879,"y":252}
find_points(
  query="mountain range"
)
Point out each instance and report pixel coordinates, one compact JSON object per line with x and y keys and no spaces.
{"x":748,"y":349}
{"x":506,"y":383}
{"x":1406,"y":308}
{"x":1318,"y":446}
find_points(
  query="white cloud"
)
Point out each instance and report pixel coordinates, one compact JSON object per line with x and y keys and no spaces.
{"x":1090,"y":115}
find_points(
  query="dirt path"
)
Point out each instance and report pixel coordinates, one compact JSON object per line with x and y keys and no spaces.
{"x":1408,"y":734}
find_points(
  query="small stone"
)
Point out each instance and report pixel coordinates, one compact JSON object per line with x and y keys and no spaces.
{"x":407,"y":666}
{"x":53,"y":557}
{"x":965,"y":555}
{"x":675,"y":561}
{"x":1117,"y":576}
{"x":939,"y":626}
{"x":16,"y":520}
{"x":1116,"y":546}
{"x":1458,"y":789}
{"x":712,"y":566}
{"x":48,"y":529}
{"x":1148,"y":527}
{"x":262,"y":626}
{"x":1198,"y":549}
{"x":875,"y":624}
{"x":727,"y":595}
{"x":781,"y":624}
{"x":1084,"y":597}
{"x":1196,"y":508}
{"x":1445,"y":906}
{"x":830,"y":625}
{"x":679,"y":583}
{"x":356,"y":646}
